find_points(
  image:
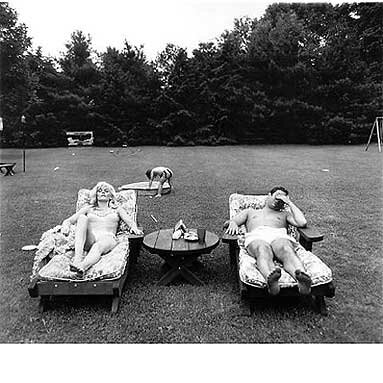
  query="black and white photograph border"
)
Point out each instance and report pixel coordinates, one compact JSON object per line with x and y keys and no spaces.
{"x":192,"y":111}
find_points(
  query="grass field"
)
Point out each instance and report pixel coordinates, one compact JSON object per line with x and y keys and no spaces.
{"x":345,"y":203}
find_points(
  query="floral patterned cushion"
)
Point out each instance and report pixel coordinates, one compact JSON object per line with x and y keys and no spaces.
{"x":60,"y":248}
{"x":110,"y":266}
{"x":319,"y":272}
{"x":248,"y":271}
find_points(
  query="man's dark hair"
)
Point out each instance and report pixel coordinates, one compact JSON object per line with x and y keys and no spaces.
{"x":274,"y":189}
{"x":148,"y":173}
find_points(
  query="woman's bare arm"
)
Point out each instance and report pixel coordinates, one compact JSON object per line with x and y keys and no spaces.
{"x":132,"y":225}
{"x":73,"y":219}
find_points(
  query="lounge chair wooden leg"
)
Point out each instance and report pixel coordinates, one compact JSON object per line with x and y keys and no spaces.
{"x":321,"y":305}
{"x":252,"y":308}
{"x":233,"y":258}
{"x":115,"y":304}
{"x":133,"y":254}
{"x":42,"y":304}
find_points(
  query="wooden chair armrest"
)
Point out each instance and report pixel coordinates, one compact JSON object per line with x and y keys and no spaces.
{"x":232,"y":241}
{"x":310,"y":234}
{"x":228,"y":238}
{"x":32,"y":288}
{"x":135,"y":243}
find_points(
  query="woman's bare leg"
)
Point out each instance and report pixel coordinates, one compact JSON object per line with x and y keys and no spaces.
{"x":80,"y":238}
{"x":102,"y":246}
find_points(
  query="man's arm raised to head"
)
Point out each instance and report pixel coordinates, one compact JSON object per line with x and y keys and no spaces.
{"x":295,"y":216}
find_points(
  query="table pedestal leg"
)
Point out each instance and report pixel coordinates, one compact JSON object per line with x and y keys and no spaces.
{"x":169,"y":277}
{"x":190,"y":276}
{"x":179,"y":267}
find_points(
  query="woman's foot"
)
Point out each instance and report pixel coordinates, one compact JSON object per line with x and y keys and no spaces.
{"x":76,"y":269}
{"x":304,"y":282}
{"x":273,"y":281}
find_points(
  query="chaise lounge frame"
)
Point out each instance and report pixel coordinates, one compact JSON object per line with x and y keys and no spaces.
{"x":47,"y":289}
{"x":253,"y":295}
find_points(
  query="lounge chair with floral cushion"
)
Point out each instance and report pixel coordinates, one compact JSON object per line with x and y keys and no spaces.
{"x":51,"y":275}
{"x":252,"y":284}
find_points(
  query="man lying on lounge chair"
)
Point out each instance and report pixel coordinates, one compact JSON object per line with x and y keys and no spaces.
{"x":96,"y":227}
{"x":267,"y":238}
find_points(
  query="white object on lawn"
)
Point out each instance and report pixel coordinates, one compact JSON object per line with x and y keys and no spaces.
{"x":29,"y":247}
{"x":145,"y":186}
{"x":153,"y":218}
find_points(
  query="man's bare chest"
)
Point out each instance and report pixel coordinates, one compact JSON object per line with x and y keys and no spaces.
{"x":266,"y":217}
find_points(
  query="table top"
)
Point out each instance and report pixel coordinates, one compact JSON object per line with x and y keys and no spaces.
{"x":161,"y":241}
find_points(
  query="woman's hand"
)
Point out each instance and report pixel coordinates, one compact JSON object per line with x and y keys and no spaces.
{"x":65,"y":227}
{"x":136,"y":230}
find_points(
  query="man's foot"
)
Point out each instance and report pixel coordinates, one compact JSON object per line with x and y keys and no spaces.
{"x":304,"y":282}
{"x":75,"y":269}
{"x":273,"y":281}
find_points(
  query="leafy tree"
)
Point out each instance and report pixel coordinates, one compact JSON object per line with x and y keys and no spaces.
{"x":75,"y":101}
{"x":303,"y":73}
{"x":14,"y":77}
{"x":128,"y":87}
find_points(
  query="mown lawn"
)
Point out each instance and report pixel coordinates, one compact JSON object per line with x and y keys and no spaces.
{"x":345,"y":203}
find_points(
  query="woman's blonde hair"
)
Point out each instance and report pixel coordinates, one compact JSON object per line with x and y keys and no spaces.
{"x":93,"y":193}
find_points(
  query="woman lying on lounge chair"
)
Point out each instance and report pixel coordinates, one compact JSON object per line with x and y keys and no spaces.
{"x":96,"y":227}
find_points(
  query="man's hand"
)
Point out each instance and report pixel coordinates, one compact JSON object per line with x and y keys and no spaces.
{"x":284,"y":198}
{"x":232,"y":228}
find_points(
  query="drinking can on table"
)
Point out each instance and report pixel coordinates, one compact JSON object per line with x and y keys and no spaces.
{"x":201,"y":235}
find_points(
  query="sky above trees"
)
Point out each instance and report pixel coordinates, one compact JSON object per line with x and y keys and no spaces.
{"x":151,"y":23}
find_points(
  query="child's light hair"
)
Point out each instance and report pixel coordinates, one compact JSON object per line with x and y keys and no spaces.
{"x":102,"y":184}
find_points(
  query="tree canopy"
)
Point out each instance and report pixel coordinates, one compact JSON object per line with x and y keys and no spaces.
{"x":302,"y":73}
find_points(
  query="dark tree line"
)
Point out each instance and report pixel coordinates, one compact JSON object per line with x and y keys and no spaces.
{"x":303,"y":73}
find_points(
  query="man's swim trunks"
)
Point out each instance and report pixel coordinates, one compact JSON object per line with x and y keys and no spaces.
{"x":267,"y":234}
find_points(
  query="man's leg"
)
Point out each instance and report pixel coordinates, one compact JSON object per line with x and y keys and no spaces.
{"x":263,"y":253}
{"x":284,"y":251}
{"x":102,"y":246}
